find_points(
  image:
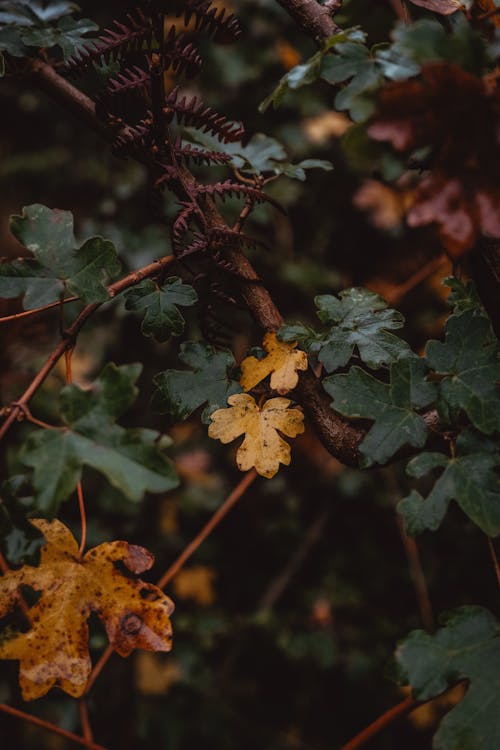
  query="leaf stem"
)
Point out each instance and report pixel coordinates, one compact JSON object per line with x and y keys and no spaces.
{"x":29,"y":718}
{"x":405,"y":707}
{"x":84,"y":720}
{"x":217,"y":517}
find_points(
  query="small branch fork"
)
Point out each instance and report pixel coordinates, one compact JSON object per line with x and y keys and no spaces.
{"x":17,"y":410}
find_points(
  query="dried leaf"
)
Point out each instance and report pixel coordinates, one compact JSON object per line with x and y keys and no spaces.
{"x":461,"y":113}
{"x":443,"y":7}
{"x":282,"y":361}
{"x":55,"y":651}
{"x":262,"y":447}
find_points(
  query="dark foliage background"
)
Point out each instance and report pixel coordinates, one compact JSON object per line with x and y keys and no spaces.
{"x":287,"y":617}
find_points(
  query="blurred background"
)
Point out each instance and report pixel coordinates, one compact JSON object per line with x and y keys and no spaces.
{"x":287,"y":617}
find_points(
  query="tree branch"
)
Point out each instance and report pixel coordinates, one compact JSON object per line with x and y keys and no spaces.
{"x":340,"y":437}
{"x":315,"y":19}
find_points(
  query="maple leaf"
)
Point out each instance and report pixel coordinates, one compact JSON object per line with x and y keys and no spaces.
{"x":457,"y":114}
{"x":55,"y":651}
{"x":282,"y":361}
{"x":262,"y":447}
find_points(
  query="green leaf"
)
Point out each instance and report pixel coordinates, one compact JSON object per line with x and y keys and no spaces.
{"x":57,"y":265}
{"x":360,"y":320}
{"x":309,"y":71}
{"x":131,"y":459}
{"x":19,"y":539}
{"x":261,"y":154}
{"x":68,"y":35}
{"x":392,"y":406}
{"x":11,"y":42}
{"x":180,"y":392}
{"x":466,"y":648}
{"x":162,"y":318}
{"x":469,"y":361}
{"x":28,"y":12}
{"x":427,"y":41}
{"x":355,"y":62}
{"x":463,"y":296}
{"x":470,"y":478}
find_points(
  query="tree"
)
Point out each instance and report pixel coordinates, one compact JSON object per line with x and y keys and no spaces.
{"x":177,"y":284}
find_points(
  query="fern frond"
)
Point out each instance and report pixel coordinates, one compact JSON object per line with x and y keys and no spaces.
{"x":134,"y":138}
{"x":228,"y":188}
{"x":193,"y":112}
{"x":187,"y":152}
{"x":133,"y":35}
{"x":223,"y":28}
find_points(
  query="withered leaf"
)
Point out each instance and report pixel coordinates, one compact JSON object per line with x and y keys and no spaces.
{"x":282,"y":362}
{"x":262,"y":447}
{"x":457,"y":114}
{"x":55,"y":651}
{"x":443,"y":7}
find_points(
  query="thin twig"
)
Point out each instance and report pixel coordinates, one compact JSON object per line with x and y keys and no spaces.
{"x":214,"y":521}
{"x":217,"y":517}
{"x":417,"y":576}
{"x":401,"y":290}
{"x":37,"y":310}
{"x":72,"y":332}
{"x":280,"y":583}
{"x":84,"y":720}
{"x":50,"y":727}
{"x":494,"y":559}
{"x":405,"y":707}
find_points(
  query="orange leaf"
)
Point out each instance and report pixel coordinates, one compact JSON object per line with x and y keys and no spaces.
{"x":55,"y":651}
{"x":282,"y":360}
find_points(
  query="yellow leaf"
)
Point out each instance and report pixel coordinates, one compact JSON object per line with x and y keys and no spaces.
{"x":154,"y":675}
{"x":262,"y":447}
{"x":282,"y":360}
{"x":55,"y":651}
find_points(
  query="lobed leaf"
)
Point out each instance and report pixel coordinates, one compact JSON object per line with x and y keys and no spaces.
{"x":262,"y":448}
{"x":468,"y":360}
{"x":392,"y":407}
{"x":469,"y":477}
{"x":131,"y":459}
{"x":162,"y":318}
{"x":55,"y":651}
{"x":467,"y":647}
{"x":209,"y":383}
{"x":282,"y":362}
{"x":57,"y":266}
{"x":360,"y":320}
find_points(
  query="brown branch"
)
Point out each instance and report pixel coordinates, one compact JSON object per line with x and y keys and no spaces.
{"x":315,"y":19}
{"x":279,"y":584}
{"x":405,"y":707}
{"x":50,"y":727}
{"x":16,"y":410}
{"x":340,"y":437}
{"x":36,"y":310}
{"x":214,"y":521}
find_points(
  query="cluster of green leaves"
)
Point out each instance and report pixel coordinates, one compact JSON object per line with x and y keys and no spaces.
{"x":458,"y":377}
{"x":26,"y":25}
{"x":346,"y":59}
